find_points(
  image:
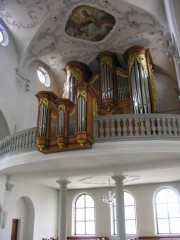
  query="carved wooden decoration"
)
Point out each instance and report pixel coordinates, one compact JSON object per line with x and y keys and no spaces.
{"x":67,"y":123}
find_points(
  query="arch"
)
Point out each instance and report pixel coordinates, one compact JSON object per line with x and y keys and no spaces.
{"x":166,"y":210}
{"x":83,"y":214}
{"x":130,"y":214}
{"x":24,"y":212}
{"x":4,"y":129}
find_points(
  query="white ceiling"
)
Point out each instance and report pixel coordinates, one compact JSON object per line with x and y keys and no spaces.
{"x":38,"y":30}
{"x":140,"y":161}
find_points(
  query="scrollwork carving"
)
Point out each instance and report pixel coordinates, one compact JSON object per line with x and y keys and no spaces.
{"x":61,"y":107}
{"x":141,"y":60}
{"x":76,"y":73}
{"x":44,"y":101}
{"x":107,"y":61}
{"x":82,"y":93}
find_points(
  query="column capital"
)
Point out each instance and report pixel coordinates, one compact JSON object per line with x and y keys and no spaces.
{"x":63,"y":183}
{"x":118,"y":179}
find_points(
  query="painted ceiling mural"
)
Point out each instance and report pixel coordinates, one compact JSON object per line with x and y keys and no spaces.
{"x":89,"y":23}
{"x":55,"y":32}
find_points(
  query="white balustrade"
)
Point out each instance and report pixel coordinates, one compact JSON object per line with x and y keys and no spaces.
{"x":130,"y":126}
{"x":18,"y":142}
{"x":107,"y":128}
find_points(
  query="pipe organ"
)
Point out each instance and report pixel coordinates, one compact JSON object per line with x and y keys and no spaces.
{"x":67,"y":123}
{"x":144,"y":95}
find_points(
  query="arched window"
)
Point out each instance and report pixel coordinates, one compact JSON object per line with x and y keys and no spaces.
{"x":167,"y":210}
{"x":84,"y":215}
{"x":130,"y":215}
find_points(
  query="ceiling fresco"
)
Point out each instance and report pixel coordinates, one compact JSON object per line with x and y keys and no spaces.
{"x":56,"y":32}
{"x":89,"y":23}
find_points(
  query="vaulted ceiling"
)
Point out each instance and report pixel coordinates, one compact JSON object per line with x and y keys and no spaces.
{"x":42,"y":31}
{"x":39,"y":30}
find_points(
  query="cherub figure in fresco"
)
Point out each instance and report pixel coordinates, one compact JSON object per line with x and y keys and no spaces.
{"x":88,"y":25}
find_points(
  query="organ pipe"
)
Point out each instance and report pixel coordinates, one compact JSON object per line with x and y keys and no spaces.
{"x":81,"y":101}
{"x":77,"y":72}
{"x":106,"y":74}
{"x":143,"y":89}
{"x":61,"y":119}
{"x":43,"y":117}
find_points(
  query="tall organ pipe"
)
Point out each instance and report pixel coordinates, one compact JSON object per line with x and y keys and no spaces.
{"x":134,"y":90}
{"x":139,"y":87}
{"x":43,"y":120}
{"x":143,"y":90}
{"x":81,"y":114}
{"x":61,"y":121}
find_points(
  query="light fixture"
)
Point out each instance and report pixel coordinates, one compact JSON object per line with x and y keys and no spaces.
{"x":108,"y":198}
{"x":3,"y":218}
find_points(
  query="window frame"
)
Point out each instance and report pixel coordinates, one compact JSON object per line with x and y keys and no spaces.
{"x":4,"y":33}
{"x":85,"y":221}
{"x":168,"y":217}
{"x":44,"y":72}
{"x":114,"y":220}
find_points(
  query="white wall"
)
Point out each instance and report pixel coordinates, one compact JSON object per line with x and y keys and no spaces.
{"x":143,"y":195}
{"x":12,"y":101}
{"x":168,"y":99}
{"x":155,"y":7}
{"x":45,"y":202}
{"x":18,"y":107}
{"x":2,"y":191}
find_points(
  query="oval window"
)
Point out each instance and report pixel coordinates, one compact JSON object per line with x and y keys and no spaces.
{"x":43,"y":76}
{"x":4,"y":39}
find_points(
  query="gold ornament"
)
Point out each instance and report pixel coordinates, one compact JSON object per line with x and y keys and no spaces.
{"x":107,"y":61}
{"x":141,"y":60}
{"x":61,"y":107}
{"x":45,"y":101}
{"x":82,"y":93}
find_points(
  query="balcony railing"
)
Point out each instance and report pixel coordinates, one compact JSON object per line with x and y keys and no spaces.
{"x":107,"y":128}
{"x":19,"y":142}
{"x":114,"y":127}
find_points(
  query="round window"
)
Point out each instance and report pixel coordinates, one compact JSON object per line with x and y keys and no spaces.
{"x":43,"y":76}
{"x":4,"y":39}
{"x":1,"y":37}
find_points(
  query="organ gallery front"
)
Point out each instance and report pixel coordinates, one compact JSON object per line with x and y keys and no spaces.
{"x":114,"y":87}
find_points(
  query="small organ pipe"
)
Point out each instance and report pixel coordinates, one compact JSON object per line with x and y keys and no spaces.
{"x":61,"y":122}
{"x":82,"y":114}
{"x":79,"y":114}
{"x":147,"y":93}
{"x":134,"y":91}
{"x":40,"y":120}
{"x":138,"y":87}
{"x":144,"y":97}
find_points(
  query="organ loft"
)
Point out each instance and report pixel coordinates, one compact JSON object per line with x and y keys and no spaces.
{"x":116,"y":85}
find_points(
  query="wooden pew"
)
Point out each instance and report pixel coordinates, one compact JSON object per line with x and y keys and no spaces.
{"x":159,"y":237}
{"x":87,"y":238}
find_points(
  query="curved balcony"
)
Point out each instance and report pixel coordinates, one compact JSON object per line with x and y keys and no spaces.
{"x":107,"y":129}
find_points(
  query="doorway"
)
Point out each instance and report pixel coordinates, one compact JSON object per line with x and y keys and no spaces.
{"x":14,"y":230}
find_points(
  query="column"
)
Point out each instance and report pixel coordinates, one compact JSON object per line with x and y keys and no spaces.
{"x":62,"y":225}
{"x":173,"y":41}
{"x":120,"y":215}
{"x":171,"y":19}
